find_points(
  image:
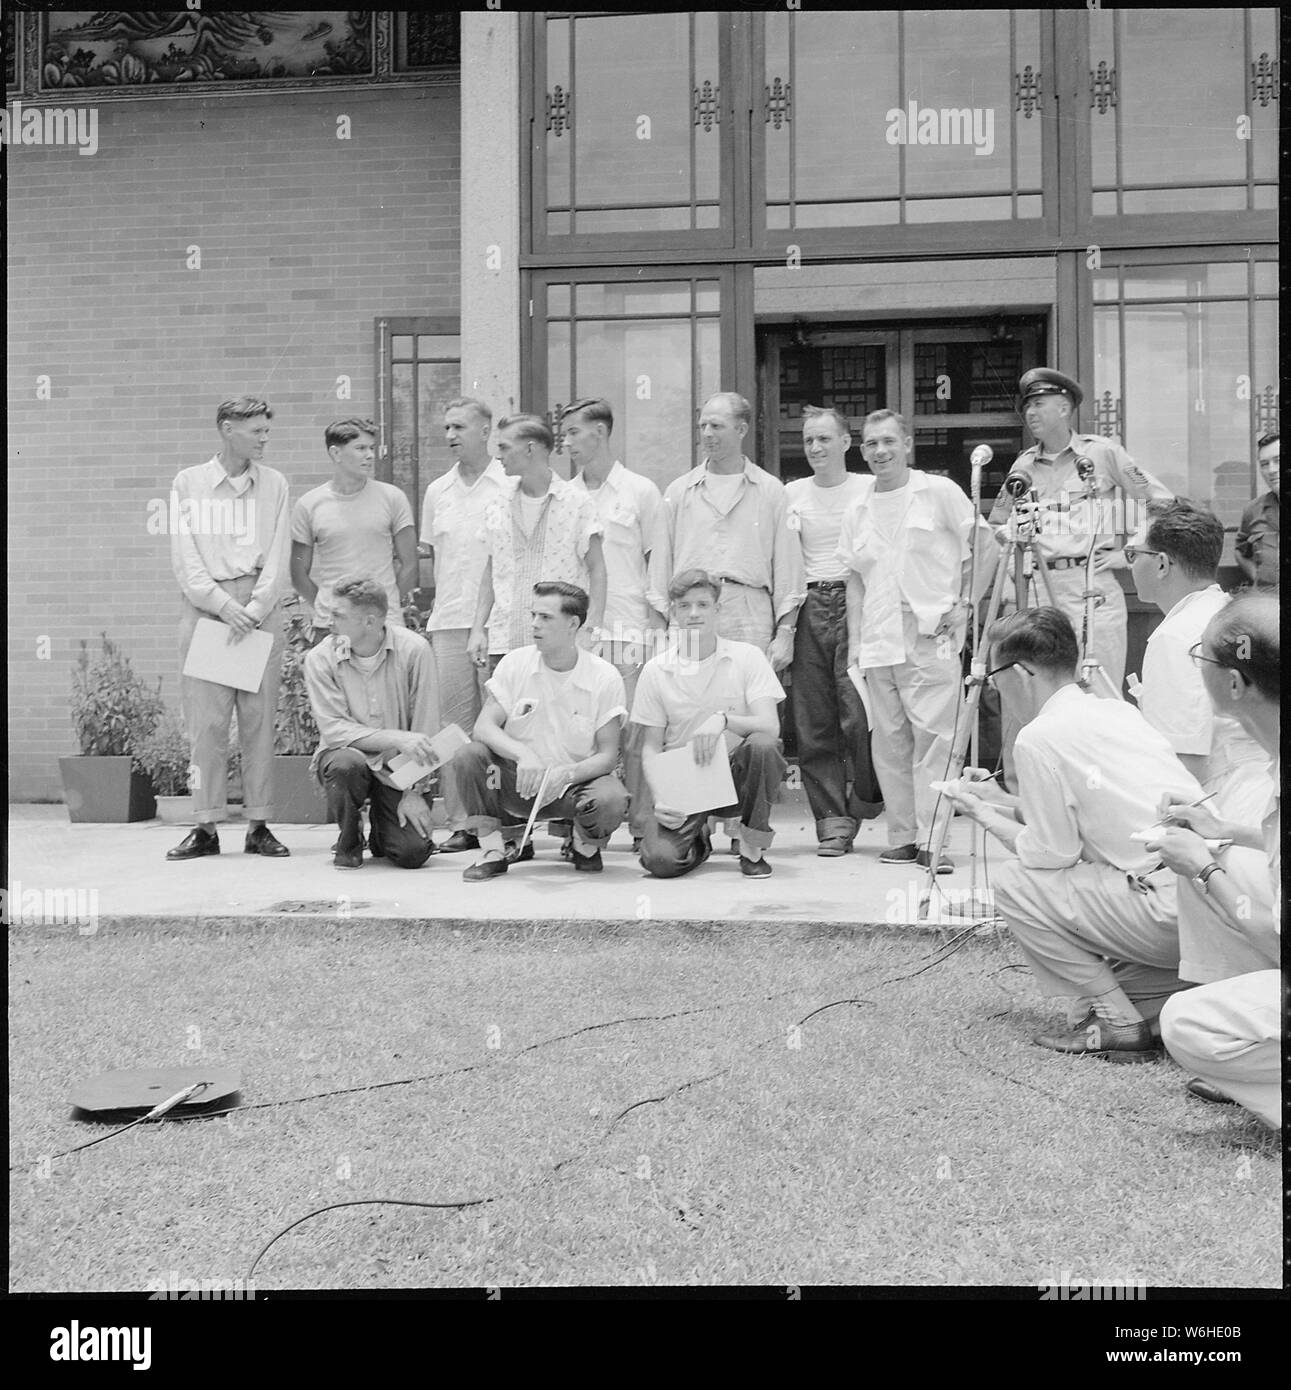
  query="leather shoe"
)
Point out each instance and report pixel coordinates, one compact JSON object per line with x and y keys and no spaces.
{"x":262,"y":840}
{"x":1112,"y":1042}
{"x":899,"y":854}
{"x":348,"y":858}
{"x":197,"y":842}
{"x":458,"y":841}
{"x":522,"y":856}
{"x":1203,"y":1090}
{"x":588,"y":863}
{"x":755,"y":868}
{"x":833,"y":846}
{"x":924,"y":858}
{"x":485,"y":869}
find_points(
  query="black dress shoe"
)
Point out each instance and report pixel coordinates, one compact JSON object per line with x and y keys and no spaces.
{"x":1203,"y":1090}
{"x":262,"y":840}
{"x":197,"y":842}
{"x":521,"y":857}
{"x":900,"y":854}
{"x":485,"y":869}
{"x":1112,"y":1042}
{"x":459,"y":840}
{"x":588,"y":863}
{"x":924,"y":858}
{"x":348,"y":859}
{"x":755,"y":868}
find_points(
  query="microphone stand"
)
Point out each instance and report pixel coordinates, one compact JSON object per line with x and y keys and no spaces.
{"x":1093,"y":678}
{"x":1020,"y":549}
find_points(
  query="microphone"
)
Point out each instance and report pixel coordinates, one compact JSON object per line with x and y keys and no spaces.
{"x":981,"y":456}
{"x":1018,"y":482}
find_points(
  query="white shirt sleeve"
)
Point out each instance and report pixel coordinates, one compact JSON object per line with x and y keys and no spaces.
{"x":647,"y":705}
{"x":1173,"y":698}
{"x":1050,"y":839}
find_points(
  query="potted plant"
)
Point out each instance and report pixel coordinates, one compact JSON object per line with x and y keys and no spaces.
{"x":164,"y":756}
{"x":298,"y":797}
{"x":113,"y":711}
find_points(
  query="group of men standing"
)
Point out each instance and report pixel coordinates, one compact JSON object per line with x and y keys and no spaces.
{"x":857,"y":585}
{"x":581,"y":629}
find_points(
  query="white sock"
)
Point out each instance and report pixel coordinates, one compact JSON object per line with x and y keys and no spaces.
{"x":492,"y":845}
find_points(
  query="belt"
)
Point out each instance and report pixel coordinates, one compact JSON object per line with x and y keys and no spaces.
{"x":1066,"y":563}
{"x":827,"y":583}
{"x":739,"y":583}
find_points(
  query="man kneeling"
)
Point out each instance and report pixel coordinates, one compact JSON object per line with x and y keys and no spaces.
{"x":549,"y":732}
{"x":681,"y":696}
{"x":1093,"y":910}
{"x":373,"y":692}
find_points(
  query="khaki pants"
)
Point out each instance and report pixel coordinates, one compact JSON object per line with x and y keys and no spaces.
{"x":461,"y":698}
{"x":207,"y":709}
{"x":913,"y":719}
{"x":1085,"y":930}
{"x":1229,"y":1033}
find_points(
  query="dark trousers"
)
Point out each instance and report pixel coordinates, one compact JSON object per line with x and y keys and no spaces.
{"x":829,"y":720}
{"x":757,"y":769}
{"x":487,"y":785}
{"x":348,"y":781}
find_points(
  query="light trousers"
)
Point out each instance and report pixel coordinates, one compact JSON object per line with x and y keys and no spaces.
{"x":1085,"y":930}
{"x":1228,"y":1033}
{"x":207,"y":709}
{"x":912,"y":708}
{"x":461,"y":698}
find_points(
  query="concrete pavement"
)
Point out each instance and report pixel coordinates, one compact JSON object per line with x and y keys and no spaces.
{"x":118,"y":873}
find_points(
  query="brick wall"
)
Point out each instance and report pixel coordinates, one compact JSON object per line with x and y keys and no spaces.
{"x":305,"y":239}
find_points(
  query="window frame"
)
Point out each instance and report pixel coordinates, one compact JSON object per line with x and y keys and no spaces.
{"x":387,"y":327}
{"x":534,"y":234}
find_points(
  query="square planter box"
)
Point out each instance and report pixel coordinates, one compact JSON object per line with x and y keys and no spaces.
{"x":298,"y":797}
{"x":106,"y":790}
{"x":176,"y":810}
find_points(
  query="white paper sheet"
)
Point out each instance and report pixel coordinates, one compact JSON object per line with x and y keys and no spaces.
{"x":406,"y":771}
{"x":678,"y":782}
{"x":858,"y":680}
{"x":213,"y":657}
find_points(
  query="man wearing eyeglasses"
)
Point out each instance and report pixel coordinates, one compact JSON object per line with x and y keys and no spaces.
{"x":1093,"y":911}
{"x":1173,"y":560}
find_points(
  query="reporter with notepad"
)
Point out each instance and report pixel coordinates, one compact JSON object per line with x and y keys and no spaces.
{"x":703,"y":689}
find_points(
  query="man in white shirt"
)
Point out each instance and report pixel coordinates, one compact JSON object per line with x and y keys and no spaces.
{"x":703,"y":689}
{"x":549,"y":733}
{"x":628,"y":506}
{"x":729,"y":518}
{"x":1228,"y":1033}
{"x":829,"y":718}
{"x":905,"y":542}
{"x":1173,"y":560}
{"x":353,"y":524}
{"x":1092,"y":909}
{"x":542,"y":529}
{"x":236,"y":573}
{"x":452,"y":525}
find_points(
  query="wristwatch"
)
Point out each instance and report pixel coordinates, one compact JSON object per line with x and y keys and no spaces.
{"x":1202,"y":879}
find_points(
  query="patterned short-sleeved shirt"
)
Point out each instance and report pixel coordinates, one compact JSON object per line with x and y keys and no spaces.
{"x":556,"y":549}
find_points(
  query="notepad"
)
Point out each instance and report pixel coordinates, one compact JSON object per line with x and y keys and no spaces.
{"x":678,"y":782}
{"x":406,"y":771}
{"x":214,"y":656}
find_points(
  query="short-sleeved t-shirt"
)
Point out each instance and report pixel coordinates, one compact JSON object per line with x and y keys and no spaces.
{"x":816,"y":514}
{"x":677,"y":695}
{"x":556,"y":713}
{"x":352,"y":534}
